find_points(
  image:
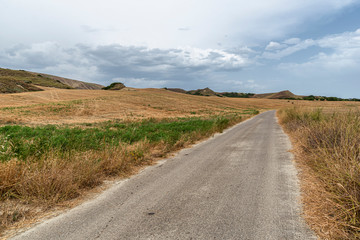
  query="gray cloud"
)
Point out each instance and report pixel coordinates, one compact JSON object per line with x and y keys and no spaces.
{"x":111,"y":62}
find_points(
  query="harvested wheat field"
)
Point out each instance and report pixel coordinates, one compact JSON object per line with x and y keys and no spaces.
{"x":64,"y":106}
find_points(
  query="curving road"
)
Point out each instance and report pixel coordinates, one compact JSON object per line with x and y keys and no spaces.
{"x":241,"y":184}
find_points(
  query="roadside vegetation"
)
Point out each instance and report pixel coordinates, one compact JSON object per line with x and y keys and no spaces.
{"x":44,"y":166}
{"x":327,"y":149}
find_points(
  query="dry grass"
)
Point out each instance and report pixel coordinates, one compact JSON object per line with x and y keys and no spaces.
{"x":59,"y":106}
{"x":327,"y":149}
{"x":31,"y":187}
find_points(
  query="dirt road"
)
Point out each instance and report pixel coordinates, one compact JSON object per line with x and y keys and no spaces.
{"x":238,"y":185}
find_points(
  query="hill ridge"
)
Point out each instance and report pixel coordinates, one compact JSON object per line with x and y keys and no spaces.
{"x":285,"y":94}
{"x":16,"y":81}
{"x":71,"y":82}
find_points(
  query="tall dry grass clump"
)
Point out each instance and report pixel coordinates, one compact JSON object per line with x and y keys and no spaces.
{"x":31,"y":187}
{"x":328,"y":153}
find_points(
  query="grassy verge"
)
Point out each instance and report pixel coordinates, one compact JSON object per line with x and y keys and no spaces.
{"x":48,"y":165}
{"x":327,"y":148}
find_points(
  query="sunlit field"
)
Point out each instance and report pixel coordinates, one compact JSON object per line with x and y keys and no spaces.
{"x":57,"y":144}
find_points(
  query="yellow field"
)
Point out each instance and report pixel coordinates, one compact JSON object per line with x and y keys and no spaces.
{"x":63,"y":106}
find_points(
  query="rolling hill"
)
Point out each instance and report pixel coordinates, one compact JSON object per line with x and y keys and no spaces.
{"x":278,"y":95}
{"x":11,"y":85}
{"x":208,"y":92}
{"x":203,"y":92}
{"x":72,"y":83}
{"x":15,"y":81}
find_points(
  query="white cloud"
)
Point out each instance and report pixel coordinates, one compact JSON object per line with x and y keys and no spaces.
{"x":345,"y":51}
{"x":345,"y":45}
{"x":347,"y":40}
{"x":252,"y":85}
{"x":179,"y":42}
{"x":218,"y":59}
{"x":289,"y":50}
{"x":333,"y":72}
{"x":275,"y":46}
{"x":292,"y":41}
{"x":142,"y":82}
{"x":103,"y":63}
{"x":156,"y":23}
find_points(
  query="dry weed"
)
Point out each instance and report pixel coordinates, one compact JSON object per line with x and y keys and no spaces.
{"x":328,"y":154}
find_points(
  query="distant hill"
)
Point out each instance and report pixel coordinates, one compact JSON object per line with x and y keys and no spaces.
{"x":178,"y":90}
{"x":199,"y":92}
{"x":279,"y":95}
{"x":12,"y":81}
{"x":236,"y":94}
{"x":11,"y":77}
{"x":203,"y":92}
{"x":208,"y":92}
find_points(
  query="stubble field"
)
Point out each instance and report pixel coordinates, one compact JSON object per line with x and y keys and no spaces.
{"x":62,"y":106}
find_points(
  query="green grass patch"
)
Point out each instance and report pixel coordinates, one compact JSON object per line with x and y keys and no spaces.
{"x":251,"y":111}
{"x":23,"y":142}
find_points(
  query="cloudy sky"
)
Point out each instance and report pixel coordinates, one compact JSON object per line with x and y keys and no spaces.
{"x":306,"y":46}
